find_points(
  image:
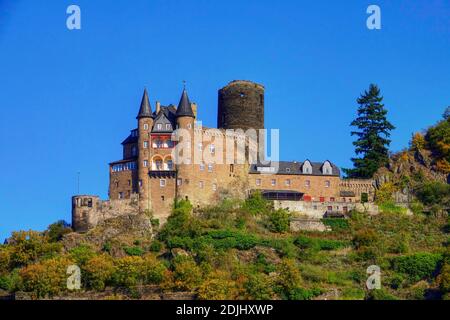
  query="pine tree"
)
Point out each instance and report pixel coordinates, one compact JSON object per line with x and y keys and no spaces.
{"x":373,"y":132}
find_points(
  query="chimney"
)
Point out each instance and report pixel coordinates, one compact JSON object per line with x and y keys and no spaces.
{"x":158,"y":107}
{"x":194,"y":109}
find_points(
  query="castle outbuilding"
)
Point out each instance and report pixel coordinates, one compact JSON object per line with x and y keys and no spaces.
{"x":150,"y":175}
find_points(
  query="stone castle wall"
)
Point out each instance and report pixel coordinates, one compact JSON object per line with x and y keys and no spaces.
{"x":89,"y":210}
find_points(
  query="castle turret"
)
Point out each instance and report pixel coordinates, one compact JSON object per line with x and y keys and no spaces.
{"x":241,"y":106}
{"x":186,"y":121}
{"x":145,"y":124}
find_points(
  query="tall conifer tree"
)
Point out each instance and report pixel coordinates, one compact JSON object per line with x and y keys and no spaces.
{"x":372,"y":132}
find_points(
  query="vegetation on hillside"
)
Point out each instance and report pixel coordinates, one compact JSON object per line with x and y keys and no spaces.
{"x":243,"y":251}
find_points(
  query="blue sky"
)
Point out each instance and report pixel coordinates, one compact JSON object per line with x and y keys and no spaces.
{"x":68,"y":98}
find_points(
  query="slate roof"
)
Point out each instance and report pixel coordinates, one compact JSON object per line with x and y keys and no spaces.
{"x":184,"y":107}
{"x":167,"y":115}
{"x":294,"y":167}
{"x":145,"y":111}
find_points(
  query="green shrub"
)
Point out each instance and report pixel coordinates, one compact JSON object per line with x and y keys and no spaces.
{"x":98,"y":271}
{"x":156,"y":246}
{"x":337,"y":225}
{"x":365,"y":238}
{"x":279,"y":220}
{"x":186,"y":273}
{"x":57,"y":230}
{"x":256,"y":204}
{"x":11,"y":282}
{"x":128,"y":272}
{"x":107,"y":247}
{"x":391,"y":207}
{"x":379,"y":294}
{"x":304,"y":294}
{"x":82,"y":254}
{"x":417,"y":266}
{"x":134,"y":251}
{"x":258,"y":287}
{"x":434,"y":193}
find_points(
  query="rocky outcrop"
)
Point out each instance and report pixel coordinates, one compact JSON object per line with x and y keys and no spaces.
{"x":405,"y":170}
{"x":122,"y":229}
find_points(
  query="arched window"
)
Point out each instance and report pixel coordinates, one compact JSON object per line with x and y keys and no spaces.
{"x":157,"y":163}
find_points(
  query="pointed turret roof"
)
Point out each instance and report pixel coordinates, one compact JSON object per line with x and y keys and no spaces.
{"x":184,"y":107}
{"x":145,"y":110}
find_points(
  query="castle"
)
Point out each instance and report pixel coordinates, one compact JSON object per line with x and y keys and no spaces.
{"x":149,"y":177}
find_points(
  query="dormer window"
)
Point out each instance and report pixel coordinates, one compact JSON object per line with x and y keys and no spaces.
{"x":288,"y":170}
{"x":159,"y":126}
{"x":307,"y":167}
{"x":167,"y":126}
{"x":327,"y":168}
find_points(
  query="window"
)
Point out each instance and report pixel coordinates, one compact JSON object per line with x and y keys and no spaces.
{"x":159,"y":126}
{"x":307,"y":183}
{"x":117,"y":184}
{"x":202,"y":166}
{"x":288,"y":170}
{"x":212,"y":148}
{"x":167,"y":126}
{"x":162,"y":198}
{"x":214,"y":186}
{"x":179,"y":182}
{"x":189,"y":126}
{"x":327,"y":184}
{"x":307,"y":167}
{"x":89,"y":203}
{"x":326,"y":168}
{"x":145,"y":126}
{"x":232,"y":168}
{"x":258,"y":182}
{"x":200,"y":146}
{"x":120,"y":195}
{"x":274,"y":182}
{"x":201,"y":184}
{"x":288,"y":182}
{"x":159,"y":165}
{"x":145,"y":144}
{"x":169,"y":165}
{"x":210,"y":167}
{"x":145,"y":163}
{"x":162,"y":183}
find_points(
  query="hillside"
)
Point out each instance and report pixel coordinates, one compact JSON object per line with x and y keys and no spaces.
{"x":228,"y":252}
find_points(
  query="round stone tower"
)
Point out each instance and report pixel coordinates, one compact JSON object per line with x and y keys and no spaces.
{"x":241,"y":106}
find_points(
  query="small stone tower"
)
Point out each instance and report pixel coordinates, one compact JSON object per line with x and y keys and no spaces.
{"x":84,"y":212}
{"x":241,"y":106}
{"x":185,"y":120}
{"x":145,"y":124}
